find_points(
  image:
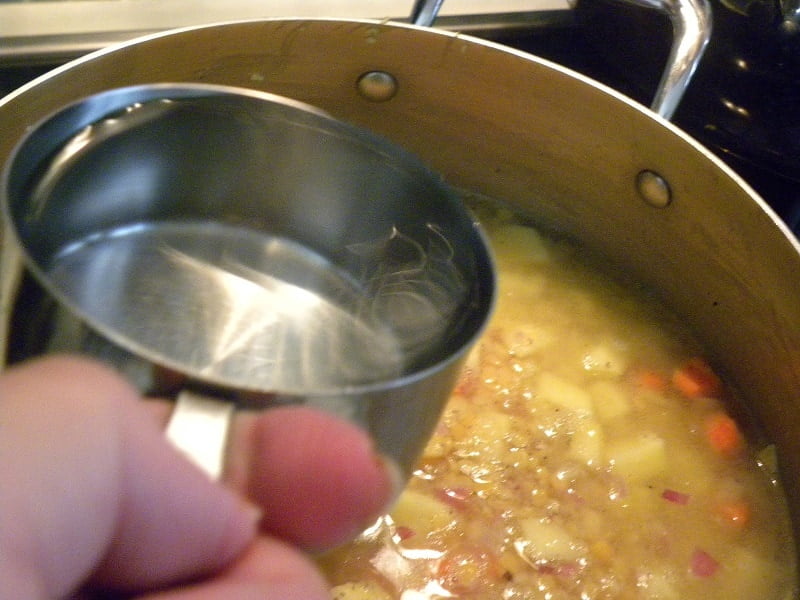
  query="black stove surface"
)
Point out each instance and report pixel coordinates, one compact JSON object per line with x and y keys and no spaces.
{"x":742,"y":102}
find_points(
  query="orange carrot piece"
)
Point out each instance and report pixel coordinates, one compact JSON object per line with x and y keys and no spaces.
{"x":466,"y":570}
{"x":467,"y":383}
{"x":651,"y":380}
{"x":736,"y":513}
{"x":723,"y":434}
{"x":696,"y":379}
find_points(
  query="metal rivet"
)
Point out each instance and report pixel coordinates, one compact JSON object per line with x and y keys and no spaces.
{"x":377,"y":86}
{"x":653,"y":189}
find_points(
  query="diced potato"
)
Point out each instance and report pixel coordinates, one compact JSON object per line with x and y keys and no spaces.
{"x":609,"y":400}
{"x":754,"y":573}
{"x":639,"y":457}
{"x":605,"y":359}
{"x":421,"y":513}
{"x":586,"y":444}
{"x":527,"y":339}
{"x":692,"y":471}
{"x":438,"y":446}
{"x":515,"y":286}
{"x":563,"y":393}
{"x":487,"y":436}
{"x":544,"y":540}
{"x":659,"y":585}
{"x":603,"y":552}
{"x":491,"y":425}
{"x":359,"y":590}
{"x":473,"y":360}
{"x":522,"y":241}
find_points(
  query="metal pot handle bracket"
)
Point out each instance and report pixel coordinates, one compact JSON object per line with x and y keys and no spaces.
{"x":691,"y":27}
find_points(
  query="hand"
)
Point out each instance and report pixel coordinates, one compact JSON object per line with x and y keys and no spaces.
{"x":93,"y":499}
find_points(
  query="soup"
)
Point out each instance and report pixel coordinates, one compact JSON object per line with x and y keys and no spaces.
{"x":588,"y":451}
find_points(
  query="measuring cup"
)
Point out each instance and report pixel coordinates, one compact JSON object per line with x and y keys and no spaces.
{"x":233,"y":248}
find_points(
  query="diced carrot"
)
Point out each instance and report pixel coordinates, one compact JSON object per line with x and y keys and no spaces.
{"x":696,"y":379}
{"x":723,"y":434}
{"x":467,"y":382}
{"x":464,"y":384}
{"x":466,"y":570}
{"x":735,"y":513}
{"x":649,"y":379}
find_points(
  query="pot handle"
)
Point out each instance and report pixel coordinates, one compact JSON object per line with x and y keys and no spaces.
{"x":424,"y":12}
{"x":691,"y":28}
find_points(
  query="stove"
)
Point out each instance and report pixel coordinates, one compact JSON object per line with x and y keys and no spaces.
{"x":740,"y":103}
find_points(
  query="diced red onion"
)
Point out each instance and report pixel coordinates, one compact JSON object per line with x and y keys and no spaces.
{"x":457,"y":498}
{"x":702,"y":564}
{"x":675,"y":497}
{"x":404,"y":532}
{"x":563,"y":570}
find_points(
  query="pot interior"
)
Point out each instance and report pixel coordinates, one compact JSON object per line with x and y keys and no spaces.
{"x":518,"y":129}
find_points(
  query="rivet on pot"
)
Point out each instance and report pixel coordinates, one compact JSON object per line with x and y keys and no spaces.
{"x":653,"y":189}
{"x":377,"y":86}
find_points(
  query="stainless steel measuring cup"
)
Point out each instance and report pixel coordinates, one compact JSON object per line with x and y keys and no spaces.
{"x":234,"y":248}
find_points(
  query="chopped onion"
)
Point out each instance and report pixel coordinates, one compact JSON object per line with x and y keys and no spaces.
{"x":457,"y":498}
{"x":702,"y":564}
{"x":675,"y":497}
{"x":403,"y":532}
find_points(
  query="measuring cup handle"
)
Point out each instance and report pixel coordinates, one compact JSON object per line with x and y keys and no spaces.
{"x":199,"y":428}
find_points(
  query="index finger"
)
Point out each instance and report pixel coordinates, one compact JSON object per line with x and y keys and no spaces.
{"x":318,"y":479}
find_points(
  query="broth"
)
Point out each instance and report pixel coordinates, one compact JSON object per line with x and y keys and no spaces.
{"x":588,"y":451}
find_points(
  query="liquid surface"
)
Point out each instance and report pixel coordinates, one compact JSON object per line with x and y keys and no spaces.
{"x":231,"y":305}
{"x":342,"y":276}
{"x":588,"y":452}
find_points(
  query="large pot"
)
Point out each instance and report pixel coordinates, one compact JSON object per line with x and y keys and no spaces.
{"x":503,"y":124}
